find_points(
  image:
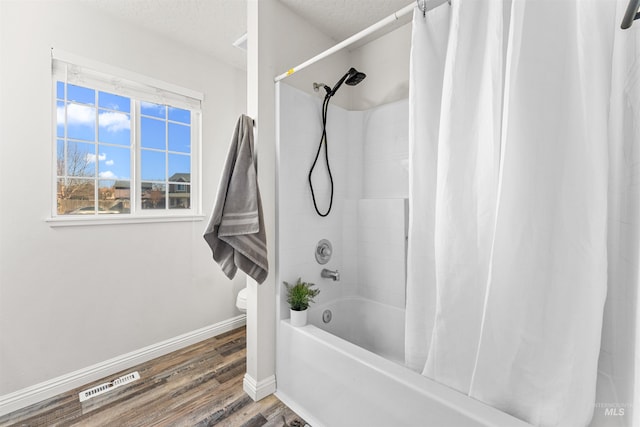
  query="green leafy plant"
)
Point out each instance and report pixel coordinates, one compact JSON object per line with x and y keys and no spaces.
{"x":300,"y":295}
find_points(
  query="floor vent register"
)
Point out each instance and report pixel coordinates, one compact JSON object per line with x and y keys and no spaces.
{"x":106,"y":387}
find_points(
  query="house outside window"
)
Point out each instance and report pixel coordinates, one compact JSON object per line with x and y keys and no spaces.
{"x":123,"y":148}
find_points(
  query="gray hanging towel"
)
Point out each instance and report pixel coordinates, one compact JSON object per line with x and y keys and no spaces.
{"x":236,"y":231}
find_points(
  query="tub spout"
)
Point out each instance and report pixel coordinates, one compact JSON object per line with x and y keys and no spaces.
{"x":330,"y":274}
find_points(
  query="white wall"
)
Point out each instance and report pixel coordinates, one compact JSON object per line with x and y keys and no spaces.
{"x":381,"y":254}
{"x":277,"y":40}
{"x":385,"y":61}
{"x":73,"y":297}
{"x":386,"y":151}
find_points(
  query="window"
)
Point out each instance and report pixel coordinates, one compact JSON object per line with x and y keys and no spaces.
{"x":123,"y":148}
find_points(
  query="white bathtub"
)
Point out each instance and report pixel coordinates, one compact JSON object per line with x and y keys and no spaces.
{"x":332,"y":382}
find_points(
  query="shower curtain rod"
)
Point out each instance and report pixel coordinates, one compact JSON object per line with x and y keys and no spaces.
{"x":631,"y":14}
{"x":428,"y":5}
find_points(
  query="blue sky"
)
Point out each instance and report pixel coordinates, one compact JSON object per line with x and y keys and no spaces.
{"x":111,"y":158}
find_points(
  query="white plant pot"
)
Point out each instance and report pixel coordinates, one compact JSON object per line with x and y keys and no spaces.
{"x":298,"y":318}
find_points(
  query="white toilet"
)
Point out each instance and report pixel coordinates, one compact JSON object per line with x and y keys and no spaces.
{"x":241,"y":300}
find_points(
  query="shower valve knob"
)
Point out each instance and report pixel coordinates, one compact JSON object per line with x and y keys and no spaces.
{"x":324,"y":251}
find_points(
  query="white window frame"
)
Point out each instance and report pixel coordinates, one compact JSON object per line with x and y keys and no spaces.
{"x":81,"y":71}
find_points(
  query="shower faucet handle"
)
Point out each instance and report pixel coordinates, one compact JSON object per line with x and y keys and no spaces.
{"x":324,"y":250}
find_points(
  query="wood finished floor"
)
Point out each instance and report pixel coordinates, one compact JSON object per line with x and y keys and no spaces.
{"x":200,"y":385}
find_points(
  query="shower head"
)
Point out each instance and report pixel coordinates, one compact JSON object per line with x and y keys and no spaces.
{"x":355,"y":77}
{"x":352,"y":78}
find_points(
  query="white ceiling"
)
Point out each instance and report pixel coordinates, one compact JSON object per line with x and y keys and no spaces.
{"x":340,"y":19}
{"x":212,"y":26}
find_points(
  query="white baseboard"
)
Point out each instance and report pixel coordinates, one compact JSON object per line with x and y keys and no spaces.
{"x":258,"y":390}
{"x":45,"y":390}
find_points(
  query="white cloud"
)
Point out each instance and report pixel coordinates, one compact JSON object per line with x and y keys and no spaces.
{"x":112,"y":106}
{"x":91,"y":158}
{"x":114,"y":122}
{"x":107,"y":175}
{"x":109,"y":162}
{"x":85,"y":115}
{"x":77,"y":115}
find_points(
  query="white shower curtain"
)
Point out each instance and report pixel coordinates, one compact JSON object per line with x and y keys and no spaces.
{"x":513,"y":244}
{"x":429,"y":46}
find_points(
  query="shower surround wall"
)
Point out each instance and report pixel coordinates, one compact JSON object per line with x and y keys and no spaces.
{"x":300,"y":228}
{"x":368,"y":154}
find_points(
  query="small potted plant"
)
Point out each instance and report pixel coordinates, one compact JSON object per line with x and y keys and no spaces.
{"x":299,"y":296}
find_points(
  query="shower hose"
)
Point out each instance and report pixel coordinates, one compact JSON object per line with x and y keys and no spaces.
{"x":323,"y":143}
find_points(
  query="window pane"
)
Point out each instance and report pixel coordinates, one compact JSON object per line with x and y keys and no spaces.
{"x":179,"y":138}
{"x":81,"y":94}
{"x":60,"y":118}
{"x":179,"y":115}
{"x":179,"y":168}
{"x":114,"y":102}
{"x":122,"y":190}
{"x":114,"y":197}
{"x":115,"y":128}
{"x":114,"y":162}
{"x":76,"y":196}
{"x":179,"y":196}
{"x":153,"y":195}
{"x":60,"y":90}
{"x":81,"y":159}
{"x":81,"y":122}
{"x":155,"y":110}
{"x":153,"y":166}
{"x":152,"y":133}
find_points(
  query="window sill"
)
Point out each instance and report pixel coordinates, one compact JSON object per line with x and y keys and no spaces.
{"x":101,"y":220}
